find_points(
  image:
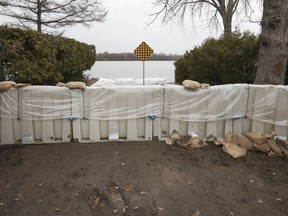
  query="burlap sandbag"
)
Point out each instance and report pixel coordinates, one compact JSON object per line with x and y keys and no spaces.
{"x":274,"y":147}
{"x":234,"y":150}
{"x":184,"y":141}
{"x":284,"y":150}
{"x":60,"y":84}
{"x":6,"y":85}
{"x":190,"y":84}
{"x":244,"y":142}
{"x":196,"y":142}
{"x":283,"y":145}
{"x":262,"y":148}
{"x":204,"y":85}
{"x":256,"y":137}
{"x":234,"y":139}
{"x":218,"y":141}
{"x":228,"y":137}
{"x":76,"y":85}
{"x":169,"y":141}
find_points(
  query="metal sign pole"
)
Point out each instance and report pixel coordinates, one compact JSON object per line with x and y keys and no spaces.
{"x":143,"y":72}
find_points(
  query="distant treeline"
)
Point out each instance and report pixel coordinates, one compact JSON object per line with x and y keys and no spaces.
{"x":106,"y":56}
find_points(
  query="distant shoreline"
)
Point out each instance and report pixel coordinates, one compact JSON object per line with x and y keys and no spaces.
{"x":106,"y":56}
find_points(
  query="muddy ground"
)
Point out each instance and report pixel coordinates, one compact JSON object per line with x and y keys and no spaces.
{"x":139,"y":178}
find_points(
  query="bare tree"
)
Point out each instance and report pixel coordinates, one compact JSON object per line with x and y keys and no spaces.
{"x":211,"y":9}
{"x":273,"y":53}
{"x":53,"y":14}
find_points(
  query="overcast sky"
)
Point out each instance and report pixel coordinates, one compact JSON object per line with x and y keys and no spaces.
{"x":126,"y":27}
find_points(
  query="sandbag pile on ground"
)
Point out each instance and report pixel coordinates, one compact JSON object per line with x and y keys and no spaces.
{"x":73,"y":85}
{"x":187,"y":142}
{"x":194,"y":85}
{"x":237,"y":145}
{"x":6,"y":85}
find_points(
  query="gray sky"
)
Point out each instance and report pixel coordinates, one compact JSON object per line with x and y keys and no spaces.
{"x":125,"y":28}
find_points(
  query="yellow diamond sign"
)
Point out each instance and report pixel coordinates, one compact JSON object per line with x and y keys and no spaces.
{"x":143,"y":51}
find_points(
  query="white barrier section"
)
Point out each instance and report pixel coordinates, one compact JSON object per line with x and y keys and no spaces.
{"x":45,"y":110}
{"x":121,"y":111}
{"x":208,"y":111}
{"x":267,"y":108}
{"x":9,"y":112}
{"x":45,"y":114}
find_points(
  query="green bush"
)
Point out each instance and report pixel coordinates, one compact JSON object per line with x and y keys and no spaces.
{"x":31,"y":57}
{"x":230,"y":59}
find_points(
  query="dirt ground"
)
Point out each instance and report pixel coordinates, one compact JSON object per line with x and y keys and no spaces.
{"x":139,"y":178}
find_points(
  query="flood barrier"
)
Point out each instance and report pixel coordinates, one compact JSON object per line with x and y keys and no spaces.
{"x":47,"y":114}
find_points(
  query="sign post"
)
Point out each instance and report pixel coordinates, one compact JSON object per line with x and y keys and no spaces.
{"x":143,"y":52}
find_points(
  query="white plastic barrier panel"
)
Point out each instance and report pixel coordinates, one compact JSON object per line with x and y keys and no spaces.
{"x":209,"y":111}
{"x":267,"y":108}
{"x":124,"y":102}
{"x":9,"y":113}
{"x":212,"y":104}
{"x":43,"y":109}
{"x":116,"y":107}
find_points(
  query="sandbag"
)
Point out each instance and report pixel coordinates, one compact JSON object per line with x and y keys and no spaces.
{"x":184,"y":142}
{"x":76,"y":85}
{"x":190,"y":84}
{"x":197,"y":143}
{"x":257,"y":137}
{"x":175,"y":135}
{"x":169,"y":141}
{"x":234,"y":139}
{"x":234,"y":150}
{"x":204,"y":85}
{"x":60,"y":84}
{"x":262,"y":147}
{"x":283,"y":145}
{"x":284,"y":150}
{"x":218,"y":141}
{"x":274,"y":147}
{"x":6,"y":85}
{"x":244,"y":142}
{"x":228,"y":137}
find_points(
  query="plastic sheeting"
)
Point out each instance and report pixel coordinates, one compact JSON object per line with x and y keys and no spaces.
{"x":215,"y":103}
{"x":264,"y":103}
{"x":130,"y":81}
{"x":101,"y":103}
{"x":9,"y":104}
{"x":268,"y":103}
{"x":123,"y":102}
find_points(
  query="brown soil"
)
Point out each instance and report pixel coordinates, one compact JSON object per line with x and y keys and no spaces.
{"x":139,"y":178}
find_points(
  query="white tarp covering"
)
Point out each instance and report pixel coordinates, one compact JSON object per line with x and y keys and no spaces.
{"x":123,"y":102}
{"x":46,"y":102}
{"x":215,"y":103}
{"x":268,"y":103}
{"x":130,"y":81}
{"x":9,"y":104}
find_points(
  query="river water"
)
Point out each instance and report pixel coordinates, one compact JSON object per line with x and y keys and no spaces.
{"x":132,"y":69}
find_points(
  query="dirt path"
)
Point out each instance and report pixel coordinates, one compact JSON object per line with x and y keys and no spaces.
{"x":139,"y":178}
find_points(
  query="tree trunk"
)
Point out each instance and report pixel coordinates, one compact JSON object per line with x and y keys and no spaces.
{"x":227,"y":22}
{"x":273,"y":52}
{"x":39,"y":13}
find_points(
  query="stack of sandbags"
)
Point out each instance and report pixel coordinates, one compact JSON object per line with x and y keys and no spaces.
{"x":194,"y":85}
{"x":187,"y":142}
{"x":255,"y":141}
{"x":72,"y":85}
{"x":230,"y":146}
{"x":6,"y":85}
